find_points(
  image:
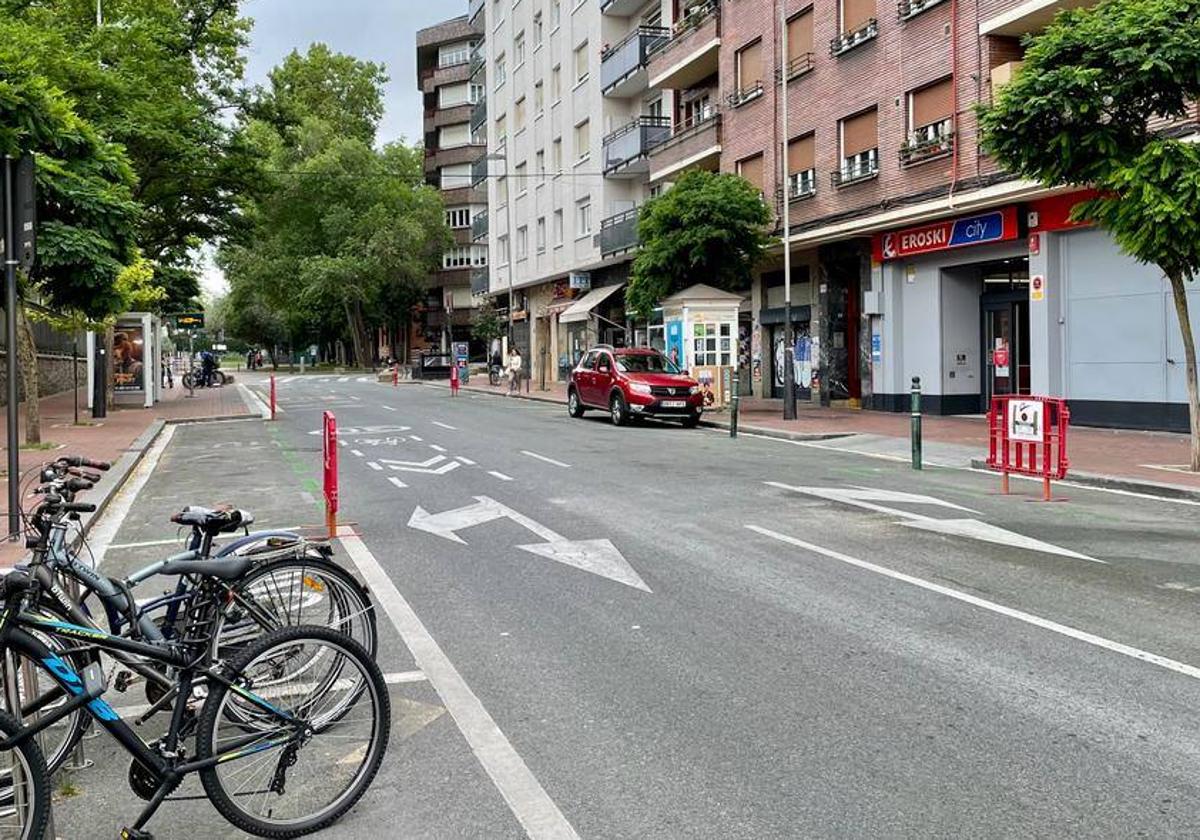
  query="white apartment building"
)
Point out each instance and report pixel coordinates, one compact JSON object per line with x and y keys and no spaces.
{"x":570,"y":119}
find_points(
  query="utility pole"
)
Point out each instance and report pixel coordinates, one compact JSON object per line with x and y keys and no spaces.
{"x":789,"y":341}
{"x":10,"y":332}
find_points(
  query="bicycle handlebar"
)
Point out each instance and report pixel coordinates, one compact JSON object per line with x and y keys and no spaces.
{"x":80,"y":461}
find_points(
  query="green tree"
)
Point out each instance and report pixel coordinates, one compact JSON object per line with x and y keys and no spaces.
{"x":486,"y":323}
{"x":708,"y":228}
{"x":336,"y":89}
{"x":1083,"y":110}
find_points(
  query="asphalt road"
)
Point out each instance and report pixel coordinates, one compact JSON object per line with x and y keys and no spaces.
{"x":649,"y":632}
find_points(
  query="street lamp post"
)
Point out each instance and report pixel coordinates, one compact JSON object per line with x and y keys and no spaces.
{"x":511,"y":242}
{"x":789,"y":346}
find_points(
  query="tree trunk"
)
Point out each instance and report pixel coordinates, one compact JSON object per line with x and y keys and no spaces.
{"x":1179,"y":291}
{"x":110,"y":366}
{"x":27,"y":359}
{"x":355,"y":334}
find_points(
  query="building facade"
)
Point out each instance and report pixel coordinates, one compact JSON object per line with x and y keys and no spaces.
{"x":444,"y":76}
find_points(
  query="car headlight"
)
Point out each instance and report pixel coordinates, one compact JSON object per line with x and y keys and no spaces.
{"x":695,"y":389}
{"x":639,"y":387}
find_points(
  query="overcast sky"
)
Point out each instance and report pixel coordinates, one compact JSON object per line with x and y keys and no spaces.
{"x":378,"y":30}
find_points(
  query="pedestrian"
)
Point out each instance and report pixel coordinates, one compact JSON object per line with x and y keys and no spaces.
{"x":168,"y":377}
{"x":514,"y":371}
{"x":208,"y":365}
{"x":258,"y":359}
{"x":250,"y":359}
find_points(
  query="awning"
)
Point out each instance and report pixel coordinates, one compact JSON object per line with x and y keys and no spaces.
{"x":581,"y":309}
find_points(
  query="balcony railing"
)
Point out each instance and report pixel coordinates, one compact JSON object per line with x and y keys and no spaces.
{"x":474,"y":9}
{"x":479,"y":227}
{"x":691,"y":53}
{"x":799,"y":65}
{"x":928,"y":142}
{"x":857,"y":168}
{"x":478,"y":59}
{"x":630,"y":55}
{"x":619,"y":233}
{"x":479,"y":281}
{"x":849,"y":40}
{"x":802,"y":184}
{"x":479,"y":170}
{"x":741,"y":97}
{"x":695,"y":16}
{"x":634,"y":141}
{"x":479,"y":115}
{"x":906,"y":9}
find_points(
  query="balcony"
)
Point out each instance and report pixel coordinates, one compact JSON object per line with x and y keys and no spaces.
{"x":434,"y":77}
{"x":906,"y":9}
{"x":695,"y":145}
{"x":625,"y":150}
{"x":690,"y":55}
{"x":619,"y":233}
{"x":621,"y":8}
{"x":863,"y":166}
{"x":928,"y":142}
{"x":435,"y":118}
{"x":623,"y":67}
{"x":479,"y":227}
{"x":474,"y":10}
{"x":799,"y":65}
{"x":849,"y":40}
{"x":741,"y":97}
{"x":479,"y":170}
{"x":436,"y":158}
{"x":479,"y":115}
{"x":478,"y":61}
{"x":1028,"y":18}
{"x":479,"y":281}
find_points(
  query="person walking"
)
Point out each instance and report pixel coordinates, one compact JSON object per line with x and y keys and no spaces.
{"x":514,"y":371}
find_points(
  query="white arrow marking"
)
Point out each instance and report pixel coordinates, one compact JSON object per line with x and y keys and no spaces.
{"x":373,"y":465}
{"x":600,"y":557}
{"x":425,"y":467}
{"x":971,"y":529}
{"x":434,"y":460}
{"x":437,"y":448}
{"x":444,"y":524}
{"x":466,"y":461}
{"x":397,"y":482}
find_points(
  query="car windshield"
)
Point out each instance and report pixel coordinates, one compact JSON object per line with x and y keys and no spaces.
{"x":645,"y":363}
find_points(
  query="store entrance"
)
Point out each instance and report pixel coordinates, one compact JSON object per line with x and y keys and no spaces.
{"x":1004,"y":308}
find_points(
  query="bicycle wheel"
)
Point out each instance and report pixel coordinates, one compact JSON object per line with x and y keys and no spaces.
{"x":280,"y":779}
{"x":24,"y":787}
{"x":291,"y":591}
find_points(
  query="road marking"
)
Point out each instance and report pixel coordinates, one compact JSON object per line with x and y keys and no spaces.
{"x":373,"y":465}
{"x":544,"y":458}
{"x":466,"y":461}
{"x":356,"y":452}
{"x":426,"y":467}
{"x":1037,"y":621}
{"x":444,"y":425}
{"x":971,"y":529}
{"x":363,"y":379}
{"x":387,"y":408}
{"x":437,"y":448}
{"x":525,"y":796}
{"x":404,"y":677}
{"x":414,"y":437}
{"x":252,"y":399}
{"x":397,"y":482}
{"x":500,"y":475}
{"x":308,"y":497}
{"x":343,"y":379}
{"x":101,"y":535}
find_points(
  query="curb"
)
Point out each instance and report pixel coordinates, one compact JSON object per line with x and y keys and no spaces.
{"x":778,"y":434}
{"x":1111,"y":482}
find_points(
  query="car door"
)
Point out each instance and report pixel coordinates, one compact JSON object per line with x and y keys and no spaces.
{"x":583,"y":377}
{"x":603,"y":379}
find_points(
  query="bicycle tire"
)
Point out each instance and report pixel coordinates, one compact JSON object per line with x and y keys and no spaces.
{"x":32,"y":826}
{"x":215,"y":712}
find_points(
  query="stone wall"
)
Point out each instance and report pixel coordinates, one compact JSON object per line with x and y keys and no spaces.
{"x":54,"y":375}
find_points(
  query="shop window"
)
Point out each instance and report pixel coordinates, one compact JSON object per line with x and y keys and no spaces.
{"x":712,"y":343}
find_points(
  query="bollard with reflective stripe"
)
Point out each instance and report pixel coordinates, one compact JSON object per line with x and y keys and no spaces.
{"x":733,"y":412}
{"x":916,"y":422}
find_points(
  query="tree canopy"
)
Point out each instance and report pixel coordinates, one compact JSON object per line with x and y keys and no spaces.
{"x":708,"y":228}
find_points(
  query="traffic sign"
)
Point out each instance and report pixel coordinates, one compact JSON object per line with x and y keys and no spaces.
{"x":190,"y":321}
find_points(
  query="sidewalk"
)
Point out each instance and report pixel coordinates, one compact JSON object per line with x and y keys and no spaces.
{"x":1149,"y":462}
{"x":124,"y":430}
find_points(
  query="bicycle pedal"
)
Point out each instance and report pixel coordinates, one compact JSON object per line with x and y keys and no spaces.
{"x":136,"y":834}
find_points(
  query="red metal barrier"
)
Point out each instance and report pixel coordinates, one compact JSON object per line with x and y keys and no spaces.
{"x":272,"y":396}
{"x":331,"y":473}
{"x":1028,"y":435}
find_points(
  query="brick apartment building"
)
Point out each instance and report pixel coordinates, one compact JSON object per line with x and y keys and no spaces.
{"x":443,"y":75}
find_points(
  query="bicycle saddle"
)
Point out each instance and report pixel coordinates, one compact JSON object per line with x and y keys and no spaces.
{"x":221,"y":520}
{"x":227,"y":568}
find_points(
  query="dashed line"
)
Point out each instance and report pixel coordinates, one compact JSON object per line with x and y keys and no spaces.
{"x":344,"y":379}
{"x":437,"y":448}
{"x":445,"y":425}
{"x":397,"y":481}
{"x":387,"y":408}
{"x":466,"y":461}
{"x":500,"y":475}
{"x":544,"y":458}
{"x":417,"y":439}
{"x":356,"y":452}
{"x":373,"y":465}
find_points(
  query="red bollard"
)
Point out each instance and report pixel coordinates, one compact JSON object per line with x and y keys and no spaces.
{"x":272,"y":396}
{"x":395,"y":375}
{"x":331,"y":473}
{"x":454,"y":381}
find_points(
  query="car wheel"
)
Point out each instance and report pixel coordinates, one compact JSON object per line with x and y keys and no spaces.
{"x":691,"y":421}
{"x":616,"y":408}
{"x":574,"y":406}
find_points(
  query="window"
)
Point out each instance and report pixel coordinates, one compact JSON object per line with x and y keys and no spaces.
{"x":478,"y":94}
{"x":455,"y":177}
{"x":539,"y":98}
{"x":556,"y":83}
{"x":502,"y":190}
{"x":654,"y":108}
{"x":519,"y":115}
{"x":800,"y":44}
{"x":451,"y":95}
{"x":541,"y":235}
{"x":454,"y":54}
{"x":555,"y":13}
{"x":930,"y":122}
{"x":458,"y":217}
{"x":558,"y":228}
{"x":501,"y":70}
{"x":451,"y":136}
{"x":751,"y":169}
{"x":712,"y":343}
{"x":697,"y":110}
{"x":583,"y":217}
{"x":501,"y":130}
{"x":556,"y":158}
{"x":537,"y":29}
{"x":520,"y":175}
{"x":540,"y":163}
{"x":583,"y":140}
{"x":860,"y":147}
{"x":802,"y":172}
{"x":856,"y":14}
{"x":581,"y":63}
{"x":465,"y":256}
{"x":522,"y":242}
{"x":502,"y":249}
{"x":519,"y":48}
{"x":749,"y":72}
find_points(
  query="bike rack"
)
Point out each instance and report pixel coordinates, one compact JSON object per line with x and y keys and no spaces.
{"x":12,"y":694}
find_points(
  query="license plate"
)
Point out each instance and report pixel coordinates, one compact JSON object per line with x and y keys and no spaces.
{"x":674,"y":404}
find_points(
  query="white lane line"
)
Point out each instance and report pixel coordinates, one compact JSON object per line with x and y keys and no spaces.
{"x":1037,"y":621}
{"x":437,"y":448}
{"x":356,"y":452}
{"x":544,"y":458}
{"x":343,"y":379}
{"x":444,"y":425}
{"x":362,"y":379}
{"x":417,"y":439}
{"x":387,"y":408}
{"x":101,"y":535}
{"x":343,"y":443}
{"x":373,"y":465}
{"x":254,"y":402}
{"x":466,"y":461}
{"x":397,"y":482}
{"x":146,"y":543}
{"x":404,"y":677}
{"x":524,"y":794}
{"x":500,"y":475}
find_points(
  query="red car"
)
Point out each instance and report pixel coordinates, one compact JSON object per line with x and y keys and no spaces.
{"x":633,"y":382}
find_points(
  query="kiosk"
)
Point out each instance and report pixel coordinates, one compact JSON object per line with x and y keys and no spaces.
{"x":701,"y":328}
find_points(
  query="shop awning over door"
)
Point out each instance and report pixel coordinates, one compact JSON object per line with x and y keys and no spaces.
{"x":581,"y":309}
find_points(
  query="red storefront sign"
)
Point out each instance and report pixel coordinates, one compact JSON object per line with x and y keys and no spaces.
{"x":998,"y":225}
{"x":1054,"y":213}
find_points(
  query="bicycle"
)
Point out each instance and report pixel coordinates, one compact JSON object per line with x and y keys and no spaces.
{"x":246,"y":744}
